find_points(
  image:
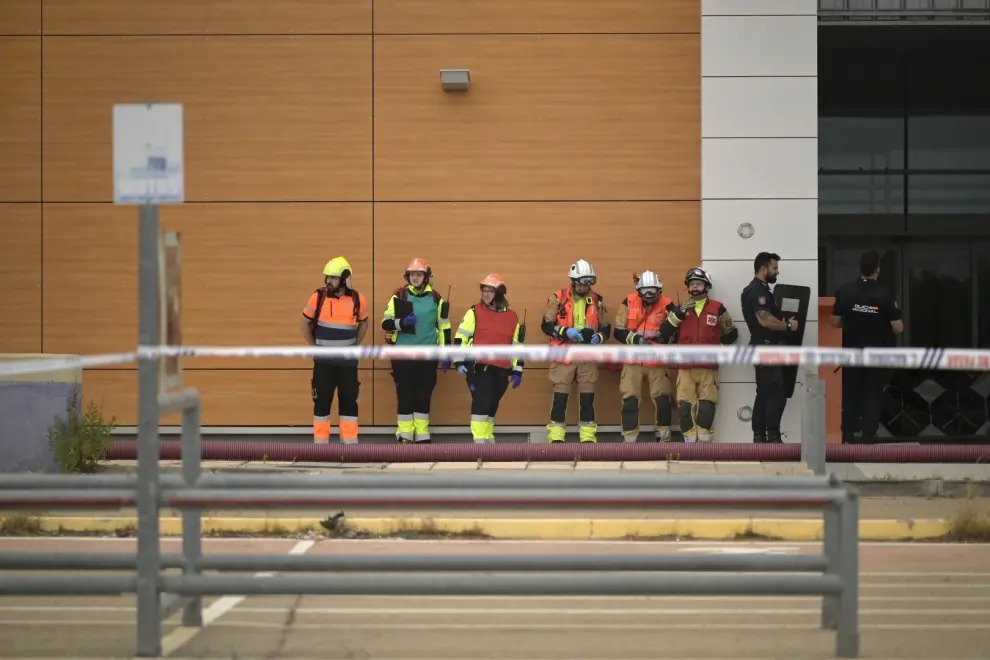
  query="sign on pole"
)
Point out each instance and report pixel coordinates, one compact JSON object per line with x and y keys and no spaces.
{"x":170,"y":314}
{"x":147,"y":154}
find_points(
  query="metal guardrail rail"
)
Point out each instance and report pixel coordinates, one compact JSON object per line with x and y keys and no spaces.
{"x":833,"y":574}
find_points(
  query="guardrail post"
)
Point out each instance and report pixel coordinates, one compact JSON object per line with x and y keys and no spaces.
{"x":192,"y":532}
{"x":149,"y":627}
{"x":832,"y":547}
{"x":813,"y":433}
{"x":847,"y":636}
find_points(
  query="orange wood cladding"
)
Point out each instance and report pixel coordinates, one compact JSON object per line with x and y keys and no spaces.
{"x":317,"y":129}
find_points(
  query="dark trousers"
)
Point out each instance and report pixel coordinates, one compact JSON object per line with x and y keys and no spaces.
{"x":415,"y":381}
{"x":489,"y":385}
{"x":329,"y":379}
{"x":771,"y":398}
{"x":862,"y":390}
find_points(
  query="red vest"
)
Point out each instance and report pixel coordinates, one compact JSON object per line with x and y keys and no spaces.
{"x":701,"y":329}
{"x":493,"y":328}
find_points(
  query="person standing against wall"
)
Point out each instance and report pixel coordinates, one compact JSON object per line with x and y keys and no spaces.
{"x":416,"y":315}
{"x":575,"y":315}
{"x":767,"y":327}
{"x":638,"y":321}
{"x":335,"y":315}
{"x":869,"y":317}
{"x":490,"y":323}
{"x":700,"y":321}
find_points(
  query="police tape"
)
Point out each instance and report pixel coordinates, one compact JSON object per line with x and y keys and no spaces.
{"x":673,"y":355}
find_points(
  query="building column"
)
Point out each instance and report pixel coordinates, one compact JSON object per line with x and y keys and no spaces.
{"x":759,"y":168}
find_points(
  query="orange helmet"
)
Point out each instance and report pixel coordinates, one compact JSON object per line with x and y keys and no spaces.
{"x":420,"y":266}
{"x":495,"y":281}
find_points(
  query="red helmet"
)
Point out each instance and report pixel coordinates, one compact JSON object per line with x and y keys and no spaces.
{"x":495,"y":281}
{"x":418,"y":265}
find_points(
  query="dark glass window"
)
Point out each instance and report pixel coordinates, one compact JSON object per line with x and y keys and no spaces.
{"x":860,"y":203}
{"x":949,"y":100}
{"x":940,"y":295}
{"x":860,"y":101}
{"x":983,"y":301}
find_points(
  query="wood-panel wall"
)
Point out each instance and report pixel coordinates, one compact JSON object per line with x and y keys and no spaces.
{"x":319,"y":128}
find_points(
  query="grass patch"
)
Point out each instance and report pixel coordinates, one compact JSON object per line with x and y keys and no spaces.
{"x":20,"y":525}
{"x":749,"y":534}
{"x":970,"y":523}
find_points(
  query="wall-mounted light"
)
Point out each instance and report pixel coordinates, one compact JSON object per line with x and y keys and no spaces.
{"x":455,"y":80}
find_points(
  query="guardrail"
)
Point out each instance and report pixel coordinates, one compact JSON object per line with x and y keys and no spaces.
{"x":833,"y":574}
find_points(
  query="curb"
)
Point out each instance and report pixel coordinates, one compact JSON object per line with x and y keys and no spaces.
{"x":547,"y":529}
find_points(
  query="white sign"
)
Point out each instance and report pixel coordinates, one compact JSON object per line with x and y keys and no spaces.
{"x":147,"y":154}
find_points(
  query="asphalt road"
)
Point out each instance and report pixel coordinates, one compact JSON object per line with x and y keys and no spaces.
{"x":916,"y":601}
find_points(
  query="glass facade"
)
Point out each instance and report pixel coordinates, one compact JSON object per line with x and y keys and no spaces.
{"x":904,"y":167}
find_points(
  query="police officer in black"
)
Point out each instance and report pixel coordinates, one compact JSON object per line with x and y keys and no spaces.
{"x":869,"y":317}
{"x":767,"y":327}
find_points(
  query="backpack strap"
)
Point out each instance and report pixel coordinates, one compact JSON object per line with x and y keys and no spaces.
{"x":321,"y":296}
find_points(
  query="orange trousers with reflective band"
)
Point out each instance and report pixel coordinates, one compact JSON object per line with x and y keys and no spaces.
{"x":340,"y":380}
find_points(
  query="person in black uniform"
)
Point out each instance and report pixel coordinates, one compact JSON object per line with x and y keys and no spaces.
{"x":869,"y":317}
{"x":767,"y":327}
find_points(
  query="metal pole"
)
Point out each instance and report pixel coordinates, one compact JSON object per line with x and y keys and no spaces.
{"x":819,"y":433}
{"x":830,"y":604}
{"x":847,"y":635}
{"x":192,"y":531}
{"x":149,"y":629}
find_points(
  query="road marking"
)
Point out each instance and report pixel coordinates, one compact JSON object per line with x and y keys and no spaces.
{"x":652,"y":627}
{"x":603,"y":611}
{"x":183,"y":634}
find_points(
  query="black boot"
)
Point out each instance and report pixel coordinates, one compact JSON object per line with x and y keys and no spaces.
{"x":759,"y":437}
{"x":773,"y":436}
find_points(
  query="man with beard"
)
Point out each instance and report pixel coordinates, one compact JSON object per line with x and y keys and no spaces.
{"x":767,"y":327}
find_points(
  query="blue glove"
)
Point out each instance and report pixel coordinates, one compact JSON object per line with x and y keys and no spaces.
{"x":516,"y":379}
{"x":596,"y":339}
{"x":641,"y":340}
{"x":409,"y":321}
{"x":444,"y":365}
{"x":462,"y":370}
{"x":574,"y":334}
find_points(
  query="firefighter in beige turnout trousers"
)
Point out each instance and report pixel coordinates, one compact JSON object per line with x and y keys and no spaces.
{"x":699,"y":321}
{"x":638,"y":321}
{"x":575,"y":315}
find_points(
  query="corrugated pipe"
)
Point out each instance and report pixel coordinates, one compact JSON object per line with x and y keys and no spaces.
{"x":235,"y":450}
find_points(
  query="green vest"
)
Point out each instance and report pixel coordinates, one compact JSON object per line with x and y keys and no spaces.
{"x":425,"y":309}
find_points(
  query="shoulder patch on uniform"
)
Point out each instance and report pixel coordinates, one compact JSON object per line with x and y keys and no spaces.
{"x":762,"y":300}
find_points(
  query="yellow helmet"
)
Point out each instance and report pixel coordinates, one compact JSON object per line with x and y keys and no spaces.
{"x":338,"y":267}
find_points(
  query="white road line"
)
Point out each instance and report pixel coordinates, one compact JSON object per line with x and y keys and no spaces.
{"x":652,"y":627}
{"x":606,"y":611}
{"x":181,"y":635}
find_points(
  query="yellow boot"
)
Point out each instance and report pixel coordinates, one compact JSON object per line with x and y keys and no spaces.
{"x":479,"y":429}
{"x":406,"y":429}
{"x":588,"y":431}
{"x":556,"y":432}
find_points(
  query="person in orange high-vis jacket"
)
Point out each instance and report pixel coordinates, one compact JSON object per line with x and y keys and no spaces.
{"x":489,"y":322}
{"x":575,"y":315}
{"x":638,"y":321}
{"x":699,"y":321}
{"x":335,"y":315}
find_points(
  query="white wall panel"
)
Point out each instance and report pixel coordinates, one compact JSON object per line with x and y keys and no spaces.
{"x":784,"y":226}
{"x":759,"y":168}
{"x":759,"y":7}
{"x":736,"y":396}
{"x":759,"y":107}
{"x":759,"y":46}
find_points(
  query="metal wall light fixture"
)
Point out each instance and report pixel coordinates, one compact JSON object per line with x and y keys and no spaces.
{"x":455,"y":80}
